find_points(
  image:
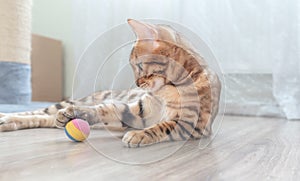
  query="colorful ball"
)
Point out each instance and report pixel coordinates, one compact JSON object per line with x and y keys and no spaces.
{"x":77,"y":130}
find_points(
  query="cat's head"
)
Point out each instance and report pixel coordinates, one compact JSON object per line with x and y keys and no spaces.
{"x":156,"y":55}
{"x":147,"y":57}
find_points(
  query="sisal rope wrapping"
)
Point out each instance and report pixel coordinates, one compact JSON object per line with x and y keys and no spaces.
{"x":15,"y":30}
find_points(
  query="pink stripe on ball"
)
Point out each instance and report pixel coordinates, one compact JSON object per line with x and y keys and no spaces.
{"x":82,"y":125}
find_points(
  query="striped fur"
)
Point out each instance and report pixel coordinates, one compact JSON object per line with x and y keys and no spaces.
{"x":177,"y":96}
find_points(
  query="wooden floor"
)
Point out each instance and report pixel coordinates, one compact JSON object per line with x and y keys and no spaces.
{"x":245,"y":148}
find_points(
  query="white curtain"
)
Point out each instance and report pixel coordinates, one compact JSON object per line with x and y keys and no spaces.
{"x":247,"y":37}
{"x":285,"y":51}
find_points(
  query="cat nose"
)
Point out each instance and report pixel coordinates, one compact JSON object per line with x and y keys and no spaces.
{"x":139,"y":81}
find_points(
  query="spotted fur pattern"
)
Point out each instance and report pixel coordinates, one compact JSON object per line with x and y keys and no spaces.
{"x":177,"y":96}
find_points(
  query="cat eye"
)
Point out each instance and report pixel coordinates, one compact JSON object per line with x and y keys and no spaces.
{"x":140,"y":66}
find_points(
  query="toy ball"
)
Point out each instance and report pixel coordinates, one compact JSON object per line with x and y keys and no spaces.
{"x":77,"y":130}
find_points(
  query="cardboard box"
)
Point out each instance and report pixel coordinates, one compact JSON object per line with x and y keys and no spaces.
{"x":47,"y":69}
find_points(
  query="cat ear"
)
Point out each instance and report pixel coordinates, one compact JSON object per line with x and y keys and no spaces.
{"x":143,"y":30}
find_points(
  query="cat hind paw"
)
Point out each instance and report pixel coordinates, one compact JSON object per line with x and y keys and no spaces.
{"x":6,"y":125}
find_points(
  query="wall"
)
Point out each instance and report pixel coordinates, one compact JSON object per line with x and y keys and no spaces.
{"x":54,"y":19}
{"x":237,"y":32}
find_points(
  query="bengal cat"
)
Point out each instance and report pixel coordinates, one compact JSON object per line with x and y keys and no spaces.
{"x":177,"y":95}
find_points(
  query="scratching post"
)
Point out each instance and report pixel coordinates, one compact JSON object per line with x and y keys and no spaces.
{"x":15,"y":47}
{"x":15,"y":30}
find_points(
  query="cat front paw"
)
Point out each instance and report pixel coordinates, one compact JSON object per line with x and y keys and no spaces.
{"x":63,"y":116}
{"x":137,"y":138}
